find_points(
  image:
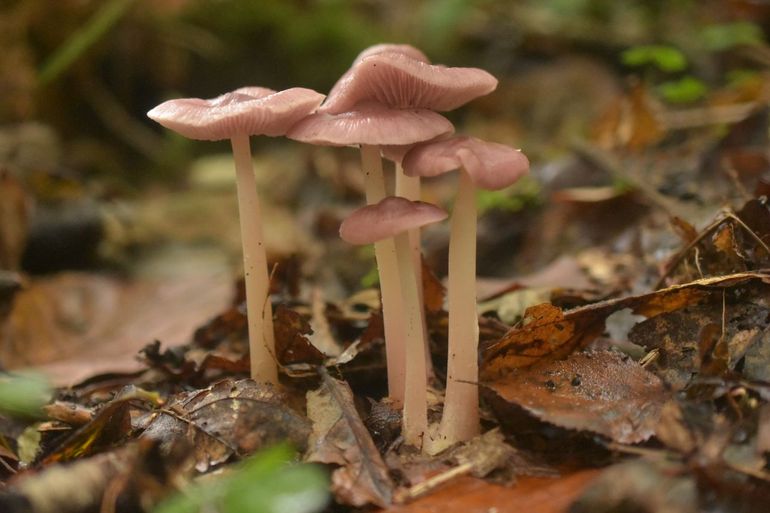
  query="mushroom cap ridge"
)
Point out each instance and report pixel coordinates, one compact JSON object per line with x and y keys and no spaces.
{"x":248,"y":110}
{"x":389,"y":217}
{"x":491,"y":166}
{"x":371,"y":124}
{"x":401,"y":81}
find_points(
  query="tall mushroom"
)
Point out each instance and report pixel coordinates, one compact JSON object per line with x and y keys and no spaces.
{"x":236,"y":116}
{"x":489,"y":166}
{"x":369,"y":126}
{"x":394,"y":217}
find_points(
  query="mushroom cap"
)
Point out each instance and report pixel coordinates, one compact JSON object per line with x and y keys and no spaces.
{"x":401,"y":81}
{"x":491,"y":166}
{"x":408,"y":50}
{"x":248,"y":110}
{"x":371,"y":124}
{"x":389,"y":217}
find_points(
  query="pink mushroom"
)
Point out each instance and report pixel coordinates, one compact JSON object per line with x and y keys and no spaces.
{"x":489,"y":166}
{"x":394,"y":217}
{"x":236,"y":116}
{"x":370,"y":126}
{"x":401,"y":81}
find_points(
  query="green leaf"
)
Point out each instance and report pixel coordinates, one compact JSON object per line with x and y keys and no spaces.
{"x":729,"y":35}
{"x":686,"y":90}
{"x":84,"y":38}
{"x":665,"y":58}
{"x":23,"y":394}
{"x":268,"y":482}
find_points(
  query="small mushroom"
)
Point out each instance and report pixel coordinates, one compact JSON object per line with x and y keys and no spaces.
{"x":236,"y":116}
{"x":489,"y":166}
{"x":394,"y":217}
{"x":371,"y":125}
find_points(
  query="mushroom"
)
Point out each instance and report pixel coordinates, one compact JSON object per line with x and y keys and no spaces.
{"x":489,"y":166}
{"x":399,"y":80}
{"x":236,"y":116}
{"x":394,"y":217}
{"x":370,"y":126}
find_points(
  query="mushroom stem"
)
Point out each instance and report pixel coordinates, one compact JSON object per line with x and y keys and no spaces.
{"x":409,"y":187}
{"x":390,"y":288}
{"x":259,"y":309}
{"x":460,"y":420}
{"x":415,"y":419}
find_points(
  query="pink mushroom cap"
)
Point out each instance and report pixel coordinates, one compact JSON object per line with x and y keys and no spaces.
{"x":407,"y":50}
{"x":401,"y":81}
{"x":371,"y":124}
{"x":491,"y":166}
{"x":389,"y":217}
{"x":248,"y":110}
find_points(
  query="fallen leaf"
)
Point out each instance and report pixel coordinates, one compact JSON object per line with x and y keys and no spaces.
{"x":548,"y":333}
{"x":472,"y":495}
{"x":601,"y":392}
{"x":340,"y":437}
{"x":640,"y":485}
{"x":75,"y":325}
{"x":229,"y":418}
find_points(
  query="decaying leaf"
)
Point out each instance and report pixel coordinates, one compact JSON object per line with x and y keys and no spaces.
{"x":549,"y":333}
{"x":601,"y":392}
{"x":694,"y":339}
{"x":292,"y":344}
{"x":472,"y":495}
{"x":230,"y":418}
{"x":640,"y":485}
{"x":340,"y":437}
{"x":485,"y":453}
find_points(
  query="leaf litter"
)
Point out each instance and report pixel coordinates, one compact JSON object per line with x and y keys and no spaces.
{"x":670,"y":415}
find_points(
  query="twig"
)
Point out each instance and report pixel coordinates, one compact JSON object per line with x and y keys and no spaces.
{"x":431,"y":483}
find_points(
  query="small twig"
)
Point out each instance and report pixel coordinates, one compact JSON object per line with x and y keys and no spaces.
{"x":725,"y":215}
{"x":431,"y":483}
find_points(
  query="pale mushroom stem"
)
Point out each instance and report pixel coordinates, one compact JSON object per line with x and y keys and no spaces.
{"x":390,"y":288}
{"x":415,"y":419}
{"x":258,"y":307}
{"x":409,"y":187}
{"x":460,"y":420}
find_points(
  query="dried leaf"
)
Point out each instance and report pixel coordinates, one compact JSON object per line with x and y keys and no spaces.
{"x":640,"y":485}
{"x":473,"y":495}
{"x":340,"y":437}
{"x":601,"y":392}
{"x":291,"y":343}
{"x":229,"y":418}
{"x":548,"y":333}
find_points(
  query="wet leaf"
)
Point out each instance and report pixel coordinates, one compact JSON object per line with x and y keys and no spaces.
{"x":230,"y":418}
{"x":340,"y":437}
{"x":473,"y":495}
{"x":547,"y":333}
{"x":639,"y":485}
{"x":601,"y":392}
{"x":291,"y":342}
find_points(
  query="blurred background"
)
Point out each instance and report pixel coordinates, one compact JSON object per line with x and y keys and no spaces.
{"x":88,"y":183}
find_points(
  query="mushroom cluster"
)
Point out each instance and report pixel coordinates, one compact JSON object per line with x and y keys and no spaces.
{"x":386,"y":105}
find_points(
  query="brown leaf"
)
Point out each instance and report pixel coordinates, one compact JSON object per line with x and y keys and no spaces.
{"x":639,"y":485}
{"x":75,"y":325}
{"x":229,"y":418}
{"x":530,"y":494}
{"x":110,"y":425}
{"x":15,"y":211}
{"x":548,"y":333}
{"x":340,"y":437}
{"x":433,"y":289}
{"x":601,"y":392}
{"x":291,"y":344}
